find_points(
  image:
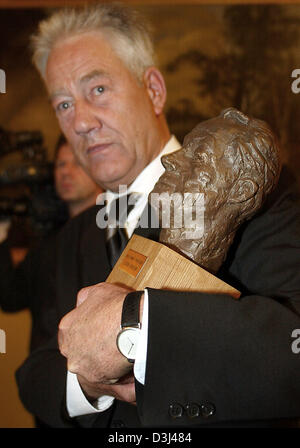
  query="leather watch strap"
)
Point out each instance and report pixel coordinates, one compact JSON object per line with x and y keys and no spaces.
{"x":131,"y":309}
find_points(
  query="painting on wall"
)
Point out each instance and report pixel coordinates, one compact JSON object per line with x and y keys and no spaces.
{"x":212,"y":57}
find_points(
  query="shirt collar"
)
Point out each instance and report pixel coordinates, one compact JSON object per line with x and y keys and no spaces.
{"x":145,"y":181}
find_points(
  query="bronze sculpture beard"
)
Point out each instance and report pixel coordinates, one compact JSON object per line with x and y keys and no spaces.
{"x":234,"y":161}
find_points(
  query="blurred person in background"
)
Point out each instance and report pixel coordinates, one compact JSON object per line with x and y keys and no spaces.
{"x":72,"y":184}
{"x":25,"y":274}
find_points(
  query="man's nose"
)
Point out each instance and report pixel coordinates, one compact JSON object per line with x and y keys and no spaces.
{"x":175,"y":161}
{"x":63,"y":171}
{"x":67,"y":170}
{"x":85,"y":118}
{"x":169,"y":162}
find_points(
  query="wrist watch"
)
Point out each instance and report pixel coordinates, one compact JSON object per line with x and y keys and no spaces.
{"x":128,"y":337}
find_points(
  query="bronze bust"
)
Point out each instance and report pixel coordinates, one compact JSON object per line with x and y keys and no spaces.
{"x":234,"y":161}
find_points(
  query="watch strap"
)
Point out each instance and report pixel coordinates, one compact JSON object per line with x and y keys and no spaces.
{"x":131,"y":309}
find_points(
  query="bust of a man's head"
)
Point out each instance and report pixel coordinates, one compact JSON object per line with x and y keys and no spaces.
{"x":232,"y":162}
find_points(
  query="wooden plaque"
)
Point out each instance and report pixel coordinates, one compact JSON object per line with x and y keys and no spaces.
{"x":146,"y":263}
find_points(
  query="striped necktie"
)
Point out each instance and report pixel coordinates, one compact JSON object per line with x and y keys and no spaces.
{"x":116,"y":234}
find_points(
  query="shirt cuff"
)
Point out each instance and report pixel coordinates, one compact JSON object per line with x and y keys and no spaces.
{"x":139,"y":368}
{"x":77,"y":403}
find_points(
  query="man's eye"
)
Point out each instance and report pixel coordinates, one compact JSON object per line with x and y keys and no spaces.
{"x":188,"y":148}
{"x":63,"y":106}
{"x":98,"y":90}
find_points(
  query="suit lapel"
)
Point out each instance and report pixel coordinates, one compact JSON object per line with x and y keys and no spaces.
{"x":81,"y":260}
{"x":95,"y":266}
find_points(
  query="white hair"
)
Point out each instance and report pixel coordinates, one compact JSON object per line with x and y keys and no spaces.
{"x":123,"y":27}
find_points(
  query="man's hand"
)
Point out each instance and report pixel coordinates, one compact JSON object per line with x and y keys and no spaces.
{"x":123,"y":390}
{"x":87,"y":338}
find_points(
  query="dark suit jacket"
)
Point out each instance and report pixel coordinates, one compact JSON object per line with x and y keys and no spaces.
{"x":211,"y":360}
{"x":30,"y":286}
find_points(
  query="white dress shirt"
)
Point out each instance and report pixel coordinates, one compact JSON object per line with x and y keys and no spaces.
{"x":77,"y":404}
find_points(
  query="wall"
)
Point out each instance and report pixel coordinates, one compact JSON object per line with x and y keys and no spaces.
{"x":182,"y":34}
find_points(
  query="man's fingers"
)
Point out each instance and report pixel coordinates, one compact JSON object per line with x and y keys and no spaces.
{"x":126,"y":379}
{"x":82,"y":296}
{"x":63,"y":331}
{"x":99,"y":288}
{"x":124,"y":392}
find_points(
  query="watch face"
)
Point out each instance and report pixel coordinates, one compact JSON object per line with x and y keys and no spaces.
{"x":127,"y":342}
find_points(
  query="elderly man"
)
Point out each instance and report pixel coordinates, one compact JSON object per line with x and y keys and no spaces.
{"x":198,"y":358}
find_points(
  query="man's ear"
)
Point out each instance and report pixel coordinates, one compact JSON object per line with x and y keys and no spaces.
{"x":242,"y":190}
{"x":156,"y":88}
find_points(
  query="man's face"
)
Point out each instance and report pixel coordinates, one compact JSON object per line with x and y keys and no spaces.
{"x":104,"y":112}
{"x":71,"y":181}
{"x":201,"y":166}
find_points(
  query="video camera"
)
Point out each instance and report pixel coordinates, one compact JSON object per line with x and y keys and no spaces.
{"x":35,"y":172}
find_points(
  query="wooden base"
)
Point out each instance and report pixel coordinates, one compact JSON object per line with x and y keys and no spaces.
{"x":145,"y":263}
